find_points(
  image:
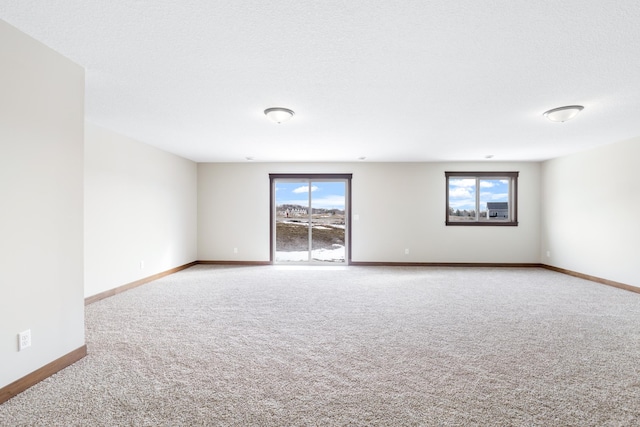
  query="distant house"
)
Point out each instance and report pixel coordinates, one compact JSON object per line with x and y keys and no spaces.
{"x":497,"y":210}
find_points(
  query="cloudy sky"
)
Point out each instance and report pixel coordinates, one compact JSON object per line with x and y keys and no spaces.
{"x":462,"y":192}
{"x":328,"y":195}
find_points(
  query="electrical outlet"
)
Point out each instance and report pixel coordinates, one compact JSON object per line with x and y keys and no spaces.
{"x":548,"y":254}
{"x":141,"y":265}
{"x":235,"y":250}
{"x":24,"y":340}
{"x":406,"y":251}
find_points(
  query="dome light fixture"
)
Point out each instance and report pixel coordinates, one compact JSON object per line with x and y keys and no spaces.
{"x":279,"y":114}
{"x":562,"y":114}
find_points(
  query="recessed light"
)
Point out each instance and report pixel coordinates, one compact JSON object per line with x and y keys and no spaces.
{"x":562,"y":114}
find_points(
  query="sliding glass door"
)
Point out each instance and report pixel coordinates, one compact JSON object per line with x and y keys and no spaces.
{"x":309,"y":219}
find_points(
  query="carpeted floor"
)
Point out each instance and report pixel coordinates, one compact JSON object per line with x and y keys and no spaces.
{"x":269,"y":346}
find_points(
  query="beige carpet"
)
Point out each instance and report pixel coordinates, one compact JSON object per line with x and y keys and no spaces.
{"x":267,"y":346}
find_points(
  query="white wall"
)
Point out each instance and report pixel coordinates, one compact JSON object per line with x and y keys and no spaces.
{"x":400,"y":205}
{"x":140,"y":205}
{"x":41,"y":207}
{"x":590,"y":212}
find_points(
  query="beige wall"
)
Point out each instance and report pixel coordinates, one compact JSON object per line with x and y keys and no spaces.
{"x":41,"y":208}
{"x":590,"y":207}
{"x":140,"y":206}
{"x":399,"y":205}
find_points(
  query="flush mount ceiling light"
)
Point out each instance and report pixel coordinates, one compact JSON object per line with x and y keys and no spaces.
{"x":279,"y":114}
{"x":562,"y":114}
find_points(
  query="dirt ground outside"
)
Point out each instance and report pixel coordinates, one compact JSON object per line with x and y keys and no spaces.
{"x":292,"y":234}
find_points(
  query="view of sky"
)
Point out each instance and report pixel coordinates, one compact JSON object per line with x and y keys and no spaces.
{"x":328,"y":195}
{"x":462,"y":192}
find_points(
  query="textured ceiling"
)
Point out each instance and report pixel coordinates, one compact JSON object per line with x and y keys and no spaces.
{"x":408,"y":80}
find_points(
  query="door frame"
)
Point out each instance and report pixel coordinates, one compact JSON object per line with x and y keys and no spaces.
{"x":310,"y":176}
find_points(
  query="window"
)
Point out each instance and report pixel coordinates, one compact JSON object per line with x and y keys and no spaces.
{"x":482,"y":198}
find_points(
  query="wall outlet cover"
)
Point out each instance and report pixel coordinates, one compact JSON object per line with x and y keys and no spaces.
{"x":24,"y":340}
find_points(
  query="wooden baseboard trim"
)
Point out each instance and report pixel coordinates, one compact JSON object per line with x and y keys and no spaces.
{"x":443,"y":264}
{"x":248,"y":263}
{"x":123,"y":288}
{"x":38,"y":375}
{"x":593,"y":278}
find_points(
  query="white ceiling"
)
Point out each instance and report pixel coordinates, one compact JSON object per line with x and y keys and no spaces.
{"x":410,"y":80}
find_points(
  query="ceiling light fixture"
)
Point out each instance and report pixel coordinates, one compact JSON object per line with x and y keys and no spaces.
{"x":279,"y":114}
{"x":562,"y":114}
